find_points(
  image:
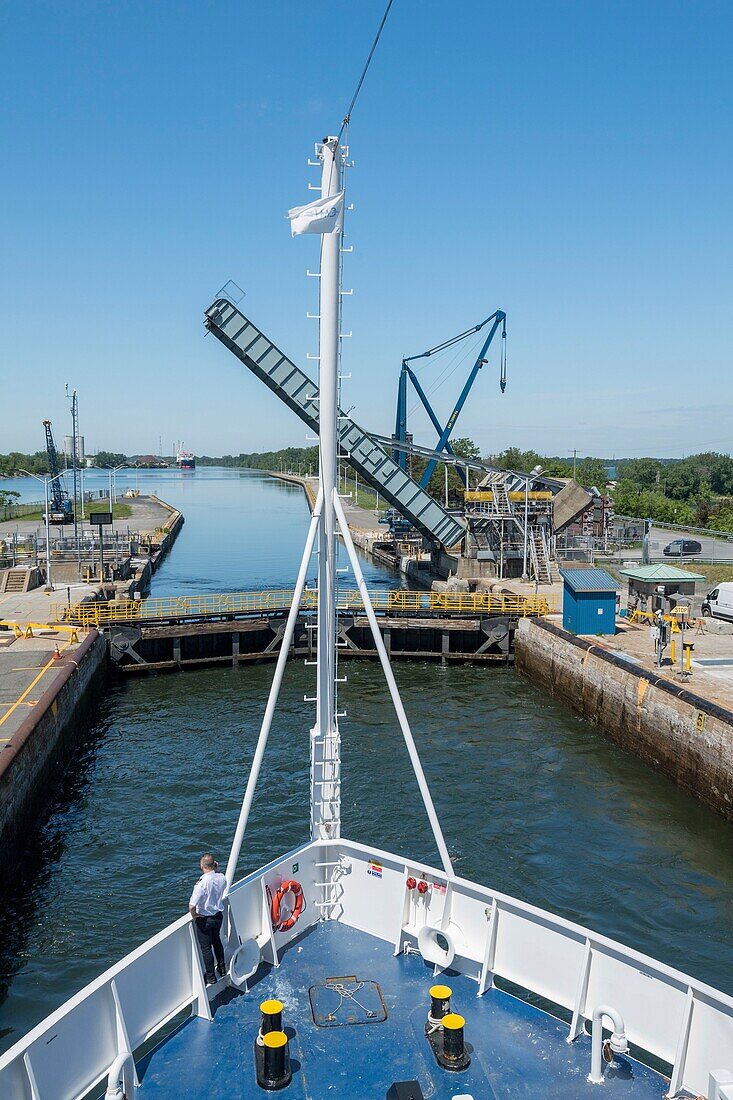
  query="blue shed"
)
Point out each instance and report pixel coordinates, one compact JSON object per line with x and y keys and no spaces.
{"x":589,"y":601}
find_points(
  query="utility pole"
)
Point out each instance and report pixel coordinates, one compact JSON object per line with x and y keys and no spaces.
{"x":575,"y":455}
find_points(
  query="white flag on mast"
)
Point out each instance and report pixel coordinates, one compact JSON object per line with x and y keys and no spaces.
{"x":321,"y":216}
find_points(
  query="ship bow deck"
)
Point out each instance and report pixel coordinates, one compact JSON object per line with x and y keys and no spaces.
{"x":518,"y":1050}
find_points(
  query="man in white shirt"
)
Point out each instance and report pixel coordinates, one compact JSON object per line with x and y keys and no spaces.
{"x":207,"y":909}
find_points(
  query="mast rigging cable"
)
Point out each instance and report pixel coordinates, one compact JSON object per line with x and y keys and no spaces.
{"x":375,"y":43}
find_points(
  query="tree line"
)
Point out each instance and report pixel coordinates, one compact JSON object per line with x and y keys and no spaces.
{"x":16,"y":464}
{"x":696,"y":490}
{"x":693,"y":491}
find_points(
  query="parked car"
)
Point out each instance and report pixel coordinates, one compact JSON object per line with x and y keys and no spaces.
{"x":682,"y":548}
{"x":719,"y":602}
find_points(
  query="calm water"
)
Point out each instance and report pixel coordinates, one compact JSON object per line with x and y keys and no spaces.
{"x":243,"y":529}
{"x":531,"y":800}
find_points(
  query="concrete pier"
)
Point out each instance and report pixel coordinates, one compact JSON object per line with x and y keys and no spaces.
{"x":44,"y":699}
{"x":667,"y":723}
{"x":142,"y":541}
{"x":49,"y":672}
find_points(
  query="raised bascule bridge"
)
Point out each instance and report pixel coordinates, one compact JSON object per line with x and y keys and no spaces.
{"x":509,"y":520}
{"x":364,"y":454}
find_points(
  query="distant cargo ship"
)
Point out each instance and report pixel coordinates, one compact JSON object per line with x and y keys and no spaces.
{"x":185,"y":460}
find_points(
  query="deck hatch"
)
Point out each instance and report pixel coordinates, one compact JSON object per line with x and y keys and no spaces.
{"x":346,"y":1000}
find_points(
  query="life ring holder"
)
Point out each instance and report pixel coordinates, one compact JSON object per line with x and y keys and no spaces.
{"x":289,"y":886}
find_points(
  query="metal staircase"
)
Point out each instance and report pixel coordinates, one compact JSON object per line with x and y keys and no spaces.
{"x":540,"y":555}
{"x":300,"y":393}
{"x":501,"y":498}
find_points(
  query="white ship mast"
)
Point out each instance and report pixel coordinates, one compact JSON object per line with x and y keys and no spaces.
{"x":325,"y":741}
{"x":327,"y":519}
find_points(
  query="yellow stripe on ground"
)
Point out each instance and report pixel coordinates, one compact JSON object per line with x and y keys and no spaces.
{"x":30,"y":687}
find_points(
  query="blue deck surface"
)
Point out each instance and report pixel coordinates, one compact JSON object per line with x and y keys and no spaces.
{"x":518,"y":1050}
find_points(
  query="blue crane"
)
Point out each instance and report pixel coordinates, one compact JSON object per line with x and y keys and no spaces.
{"x":61,"y":507}
{"x":497,"y":321}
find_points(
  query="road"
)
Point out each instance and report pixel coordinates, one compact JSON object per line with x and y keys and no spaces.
{"x":713,"y":549}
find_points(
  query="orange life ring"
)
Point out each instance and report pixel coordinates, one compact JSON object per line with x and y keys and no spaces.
{"x":289,"y":887}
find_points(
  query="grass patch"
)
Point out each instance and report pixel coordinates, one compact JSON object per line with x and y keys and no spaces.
{"x":713,"y":574}
{"x":119,"y":511}
{"x":365,"y":498}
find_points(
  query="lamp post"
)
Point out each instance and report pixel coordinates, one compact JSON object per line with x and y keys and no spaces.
{"x":529,"y":478}
{"x":46,"y":482}
{"x":74,"y":438}
{"x":112,"y":474}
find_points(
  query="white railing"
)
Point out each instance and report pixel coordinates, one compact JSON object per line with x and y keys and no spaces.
{"x":73,"y":1050}
{"x":671,"y":1016}
{"x":667,"y":1014}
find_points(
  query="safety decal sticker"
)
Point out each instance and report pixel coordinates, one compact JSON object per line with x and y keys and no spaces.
{"x":374,"y":869}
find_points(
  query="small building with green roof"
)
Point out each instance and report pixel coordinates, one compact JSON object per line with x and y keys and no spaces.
{"x":660,"y":581}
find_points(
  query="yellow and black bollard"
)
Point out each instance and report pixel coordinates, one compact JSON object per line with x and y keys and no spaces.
{"x":440,"y":996}
{"x":271,"y":1017}
{"x":454,"y":1054}
{"x":276,"y":1071}
{"x":272,"y":1056}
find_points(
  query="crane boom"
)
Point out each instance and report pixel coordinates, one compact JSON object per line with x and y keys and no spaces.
{"x":400,"y":456}
{"x":61,"y":509}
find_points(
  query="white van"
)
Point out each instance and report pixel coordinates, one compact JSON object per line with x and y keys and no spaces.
{"x":719,"y":602}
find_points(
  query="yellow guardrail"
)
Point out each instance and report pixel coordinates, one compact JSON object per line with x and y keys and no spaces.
{"x":639,"y":616}
{"x":651,"y":618}
{"x":101,"y":613}
{"x":26,"y":630}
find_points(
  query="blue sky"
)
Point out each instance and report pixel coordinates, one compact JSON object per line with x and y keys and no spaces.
{"x":568,"y":162}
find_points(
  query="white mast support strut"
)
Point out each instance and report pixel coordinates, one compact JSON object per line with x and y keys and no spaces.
{"x":325,"y":749}
{"x":274,"y":692}
{"x":393,"y":690}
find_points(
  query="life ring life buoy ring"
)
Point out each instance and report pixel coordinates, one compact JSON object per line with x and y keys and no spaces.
{"x":288,"y":887}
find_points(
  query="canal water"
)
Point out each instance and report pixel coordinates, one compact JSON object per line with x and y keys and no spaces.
{"x":532,"y":801}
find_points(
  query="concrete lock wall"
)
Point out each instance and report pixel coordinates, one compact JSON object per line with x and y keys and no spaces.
{"x":40,"y":749}
{"x":687,"y":737}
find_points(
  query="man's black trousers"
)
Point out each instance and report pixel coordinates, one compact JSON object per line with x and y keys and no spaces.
{"x":207,"y":930}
